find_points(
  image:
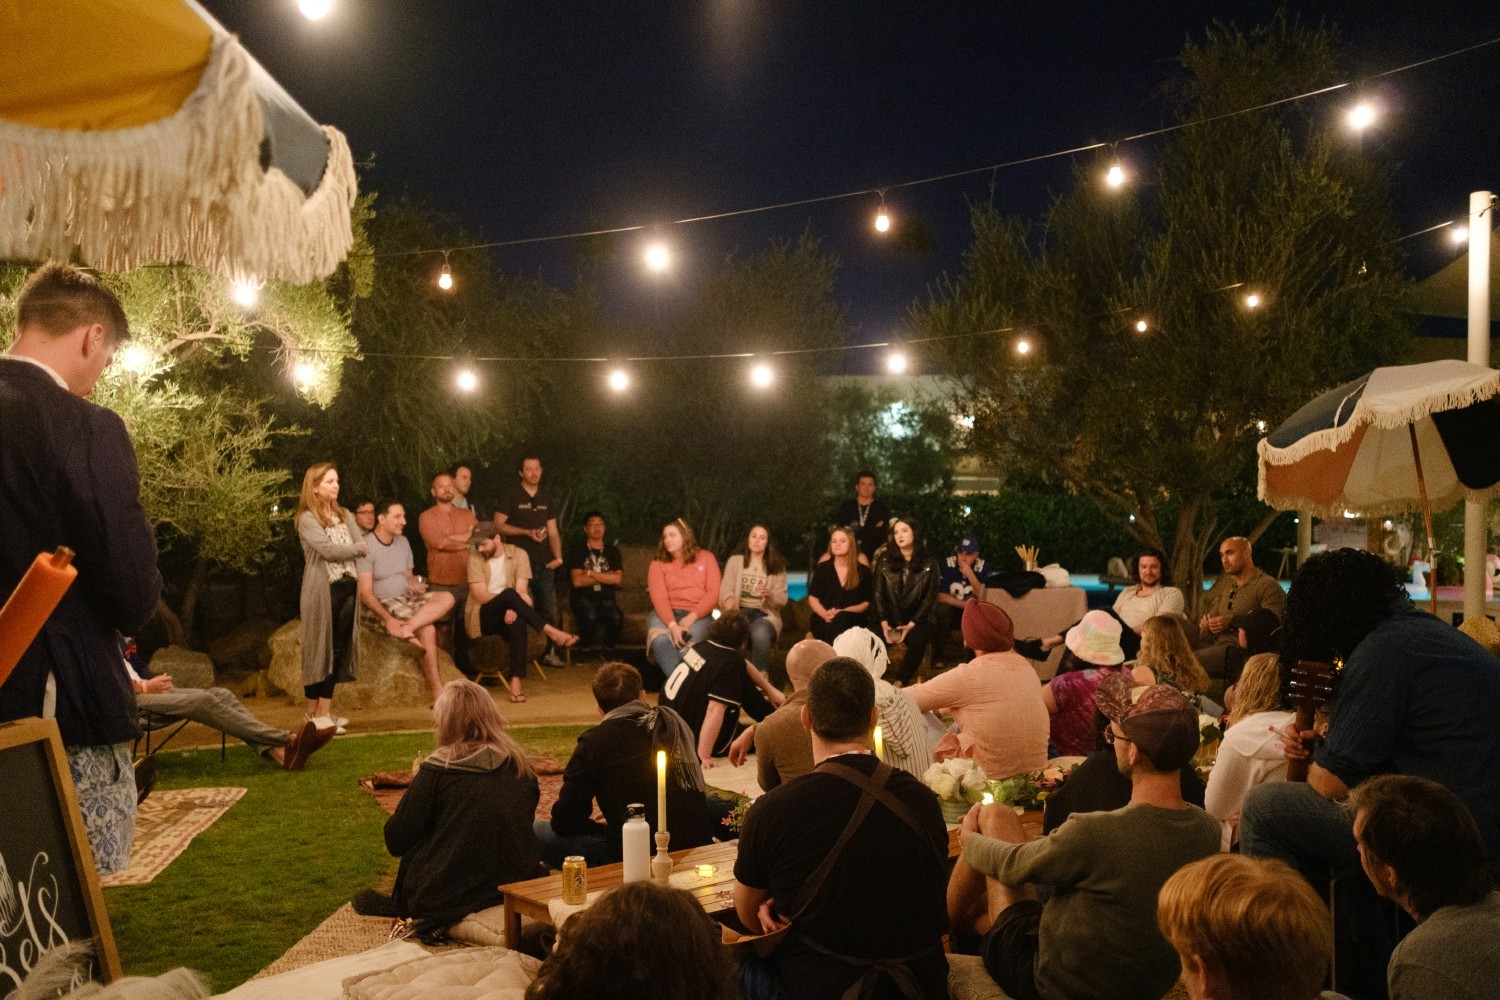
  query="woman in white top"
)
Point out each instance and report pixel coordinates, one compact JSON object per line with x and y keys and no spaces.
{"x":754,"y":583}
{"x":1249,"y":754}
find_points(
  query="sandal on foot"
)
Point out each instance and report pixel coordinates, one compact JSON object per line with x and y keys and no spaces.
{"x":516,"y":699}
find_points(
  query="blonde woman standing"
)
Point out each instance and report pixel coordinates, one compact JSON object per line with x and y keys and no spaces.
{"x":331,"y":542}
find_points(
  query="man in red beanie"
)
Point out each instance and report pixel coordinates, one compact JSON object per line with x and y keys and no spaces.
{"x":996,"y":699}
{"x":1096,"y":937}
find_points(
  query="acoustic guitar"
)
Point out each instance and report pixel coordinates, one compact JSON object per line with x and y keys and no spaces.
{"x":1311,"y":688}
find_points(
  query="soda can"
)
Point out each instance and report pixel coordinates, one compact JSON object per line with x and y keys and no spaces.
{"x":575,"y":880}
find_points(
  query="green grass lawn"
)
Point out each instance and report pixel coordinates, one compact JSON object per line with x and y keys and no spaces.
{"x":284,"y":857}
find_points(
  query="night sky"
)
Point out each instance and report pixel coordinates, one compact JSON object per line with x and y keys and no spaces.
{"x":541,"y":118}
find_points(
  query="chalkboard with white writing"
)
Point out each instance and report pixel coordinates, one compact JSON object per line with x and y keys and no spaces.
{"x":49,"y":890}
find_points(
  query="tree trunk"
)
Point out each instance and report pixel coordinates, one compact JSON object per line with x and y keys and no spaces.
{"x":197,"y":579}
{"x":170,"y":624}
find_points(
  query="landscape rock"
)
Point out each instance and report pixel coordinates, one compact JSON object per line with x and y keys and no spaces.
{"x":243,"y":651}
{"x":390,"y":671}
{"x":187,"y":667}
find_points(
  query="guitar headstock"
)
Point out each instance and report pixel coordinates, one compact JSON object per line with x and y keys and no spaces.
{"x":1312,"y":684}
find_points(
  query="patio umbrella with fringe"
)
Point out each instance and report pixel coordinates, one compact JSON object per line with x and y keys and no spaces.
{"x":140,"y":131}
{"x":1412,"y":437}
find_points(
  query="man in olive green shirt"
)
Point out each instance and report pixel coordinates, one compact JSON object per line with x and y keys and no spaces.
{"x":1242,"y":589}
{"x":1096,"y":937}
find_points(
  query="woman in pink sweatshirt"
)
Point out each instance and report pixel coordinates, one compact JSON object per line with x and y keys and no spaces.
{"x":683,"y":582}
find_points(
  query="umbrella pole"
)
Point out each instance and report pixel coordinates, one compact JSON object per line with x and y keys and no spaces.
{"x":1416,"y":454}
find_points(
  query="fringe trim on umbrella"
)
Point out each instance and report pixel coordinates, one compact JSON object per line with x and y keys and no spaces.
{"x":187,"y":188}
{"x":1333,"y":437}
{"x":1338,"y":507}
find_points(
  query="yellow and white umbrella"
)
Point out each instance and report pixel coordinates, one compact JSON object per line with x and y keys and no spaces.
{"x":141,"y":131}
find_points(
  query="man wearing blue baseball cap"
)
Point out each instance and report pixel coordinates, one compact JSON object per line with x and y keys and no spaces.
{"x":963,"y":577}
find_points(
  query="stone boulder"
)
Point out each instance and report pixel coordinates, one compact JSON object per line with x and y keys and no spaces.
{"x":390,"y":670}
{"x":243,"y":650}
{"x":187,"y":667}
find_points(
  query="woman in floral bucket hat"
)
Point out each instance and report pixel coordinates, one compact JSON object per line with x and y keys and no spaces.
{"x":1095,"y":653}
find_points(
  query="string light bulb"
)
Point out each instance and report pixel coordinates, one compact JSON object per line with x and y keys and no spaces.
{"x":1115,"y":177}
{"x":896,"y":363}
{"x":619,"y":380}
{"x":1252,"y":301}
{"x":245,"y":292}
{"x":315,"y":10}
{"x":1141,"y":326}
{"x":136,"y":359}
{"x":658,"y":257}
{"x":466,"y":380}
{"x":445,"y":276}
{"x":1459,"y":235}
{"x":882,"y":216}
{"x":1023,"y":346}
{"x":761,"y":376}
{"x":305,"y":374}
{"x":1361,"y":116}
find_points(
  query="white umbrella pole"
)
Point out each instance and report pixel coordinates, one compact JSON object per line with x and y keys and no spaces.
{"x":1476,"y":529}
{"x":1416,"y":454}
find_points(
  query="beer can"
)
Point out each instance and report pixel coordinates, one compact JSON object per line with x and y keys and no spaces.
{"x":575,"y":880}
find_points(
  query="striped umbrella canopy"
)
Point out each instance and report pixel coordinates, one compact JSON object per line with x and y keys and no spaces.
{"x":1375,"y":445}
{"x":140,"y":131}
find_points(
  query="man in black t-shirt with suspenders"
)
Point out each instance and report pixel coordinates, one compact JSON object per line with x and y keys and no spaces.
{"x":855,"y":854}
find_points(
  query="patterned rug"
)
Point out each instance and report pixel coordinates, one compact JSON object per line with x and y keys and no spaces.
{"x":389,"y":786}
{"x":165,"y":824}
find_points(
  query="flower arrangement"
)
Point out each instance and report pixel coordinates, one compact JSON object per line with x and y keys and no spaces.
{"x":958,"y":783}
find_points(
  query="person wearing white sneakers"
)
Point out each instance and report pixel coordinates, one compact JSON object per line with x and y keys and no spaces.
{"x":331,"y":543}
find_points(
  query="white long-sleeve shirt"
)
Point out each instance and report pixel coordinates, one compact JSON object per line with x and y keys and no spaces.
{"x":1247,"y":757}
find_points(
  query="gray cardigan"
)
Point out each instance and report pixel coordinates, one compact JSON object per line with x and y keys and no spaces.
{"x":729,"y":586}
{"x":317,"y":608}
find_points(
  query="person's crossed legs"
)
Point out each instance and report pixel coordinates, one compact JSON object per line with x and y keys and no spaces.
{"x":420,"y":628}
{"x":1006,"y":917}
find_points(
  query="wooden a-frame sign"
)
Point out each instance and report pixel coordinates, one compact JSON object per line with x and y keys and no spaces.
{"x":49,"y":887}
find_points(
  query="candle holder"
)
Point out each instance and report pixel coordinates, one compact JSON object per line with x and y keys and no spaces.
{"x":661,"y":865}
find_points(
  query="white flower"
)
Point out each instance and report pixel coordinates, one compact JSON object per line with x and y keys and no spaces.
{"x":946,"y":786}
{"x":975,"y":780}
{"x":957,"y":766}
{"x":1207,"y":720}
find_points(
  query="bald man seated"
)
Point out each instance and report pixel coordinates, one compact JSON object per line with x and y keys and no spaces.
{"x":1242,"y":589}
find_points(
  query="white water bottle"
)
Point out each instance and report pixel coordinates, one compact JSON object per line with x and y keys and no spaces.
{"x":635,"y":844}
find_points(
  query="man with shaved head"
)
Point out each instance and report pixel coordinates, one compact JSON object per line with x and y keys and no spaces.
{"x":783,"y":746}
{"x":1242,"y":589}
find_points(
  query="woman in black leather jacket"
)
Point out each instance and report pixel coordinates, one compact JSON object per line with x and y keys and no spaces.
{"x":906,"y":586}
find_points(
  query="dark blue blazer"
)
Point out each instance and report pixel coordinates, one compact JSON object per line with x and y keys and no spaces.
{"x":68,"y":477}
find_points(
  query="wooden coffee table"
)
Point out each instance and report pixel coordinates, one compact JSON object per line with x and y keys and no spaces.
{"x":715,"y":893}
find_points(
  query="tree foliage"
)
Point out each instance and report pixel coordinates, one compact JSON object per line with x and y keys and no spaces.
{"x":1271,"y":202}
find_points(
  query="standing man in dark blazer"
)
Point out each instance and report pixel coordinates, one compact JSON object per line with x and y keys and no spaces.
{"x":68,"y":477}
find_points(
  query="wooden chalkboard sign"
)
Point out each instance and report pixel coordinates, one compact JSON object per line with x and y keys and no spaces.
{"x":49,"y":888}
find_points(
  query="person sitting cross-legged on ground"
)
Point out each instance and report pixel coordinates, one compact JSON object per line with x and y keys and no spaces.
{"x":1421,"y":848}
{"x":908,"y":740}
{"x":640,"y":940}
{"x":1247,"y":929}
{"x":218,"y":708}
{"x":783,"y":747}
{"x":500,"y":604}
{"x":854,"y":854}
{"x":389,"y":588}
{"x":996,"y":698}
{"x":464,"y":826}
{"x":713,"y":682}
{"x":595,"y":569}
{"x":614,"y":765}
{"x":1096,"y":936}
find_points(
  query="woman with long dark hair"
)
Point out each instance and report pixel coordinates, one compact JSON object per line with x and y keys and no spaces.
{"x":840,"y":589}
{"x":464,"y":825}
{"x":754,"y":584}
{"x":906,"y":585}
{"x":683,"y":583}
{"x":331,"y":542}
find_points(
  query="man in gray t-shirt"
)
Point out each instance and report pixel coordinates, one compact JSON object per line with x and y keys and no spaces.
{"x":1096,"y":937}
{"x":400,"y":598}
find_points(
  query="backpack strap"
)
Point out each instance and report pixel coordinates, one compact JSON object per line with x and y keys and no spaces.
{"x":875,"y":786}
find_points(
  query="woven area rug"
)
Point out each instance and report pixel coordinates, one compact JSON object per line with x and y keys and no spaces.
{"x":165,"y":824}
{"x":343,"y":933}
{"x":389,"y":786}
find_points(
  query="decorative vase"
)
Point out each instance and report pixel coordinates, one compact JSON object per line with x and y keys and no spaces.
{"x":954,"y":810}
